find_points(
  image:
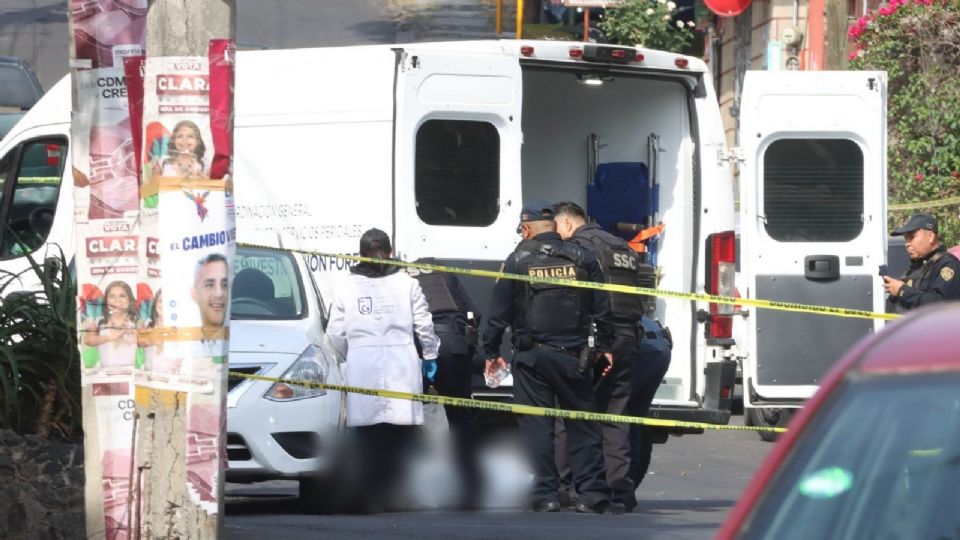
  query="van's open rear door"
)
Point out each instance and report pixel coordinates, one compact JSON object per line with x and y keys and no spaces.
{"x":457,"y":154}
{"x":813,"y":221}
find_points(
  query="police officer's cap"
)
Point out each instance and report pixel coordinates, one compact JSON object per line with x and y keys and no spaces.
{"x":917,"y":222}
{"x":536,"y":211}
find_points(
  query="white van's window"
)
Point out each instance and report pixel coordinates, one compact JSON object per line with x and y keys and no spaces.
{"x":266,"y":285}
{"x":457,"y":177}
{"x":32,"y":182}
{"x":813,"y":190}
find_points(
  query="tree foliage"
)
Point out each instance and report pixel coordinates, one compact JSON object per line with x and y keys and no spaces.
{"x":917,"y":42}
{"x":647,"y":23}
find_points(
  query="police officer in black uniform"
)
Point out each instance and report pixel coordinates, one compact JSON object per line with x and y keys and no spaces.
{"x":932,"y":276}
{"x":554,"y":362}
{"x":630,"y":382}
{"x":455,"y":321}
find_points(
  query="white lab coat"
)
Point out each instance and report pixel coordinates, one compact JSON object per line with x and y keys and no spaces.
{"x":372,"y":324}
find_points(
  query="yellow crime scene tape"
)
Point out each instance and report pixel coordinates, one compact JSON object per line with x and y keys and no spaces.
{"x":510,"y":407}
{"x":923,"y":205}
{"x":701,"y":297}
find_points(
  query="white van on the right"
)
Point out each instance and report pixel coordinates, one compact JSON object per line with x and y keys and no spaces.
{"x":813,"y":225}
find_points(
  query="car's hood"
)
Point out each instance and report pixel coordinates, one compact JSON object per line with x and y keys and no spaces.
{"x":286,"y":337}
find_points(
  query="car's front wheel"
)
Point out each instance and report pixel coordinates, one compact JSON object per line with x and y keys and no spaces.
{"x":769,"y":417}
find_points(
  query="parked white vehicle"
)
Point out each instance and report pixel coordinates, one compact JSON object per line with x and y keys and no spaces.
{"x":812,"y":223}
{"x":439,"y":144}
{"x":276,"y":430}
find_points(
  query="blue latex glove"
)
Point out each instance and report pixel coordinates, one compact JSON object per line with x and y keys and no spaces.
{"x":429,"y":369}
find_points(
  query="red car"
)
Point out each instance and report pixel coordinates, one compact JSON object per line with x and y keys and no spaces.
{"x":876,"y":452}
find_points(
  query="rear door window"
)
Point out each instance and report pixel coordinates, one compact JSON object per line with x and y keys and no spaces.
{"x":31,"y":187}
{"x":457,"y":176}
{"x":813,"y":190}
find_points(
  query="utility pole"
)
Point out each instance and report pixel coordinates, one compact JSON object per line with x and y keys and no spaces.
{"x":186,"y":190}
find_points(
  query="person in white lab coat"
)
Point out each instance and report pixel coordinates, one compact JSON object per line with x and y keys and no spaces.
{"x":373,"y":320}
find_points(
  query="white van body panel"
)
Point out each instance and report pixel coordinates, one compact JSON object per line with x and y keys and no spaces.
{"x":325,"y":147}
{"x":813,"y":221}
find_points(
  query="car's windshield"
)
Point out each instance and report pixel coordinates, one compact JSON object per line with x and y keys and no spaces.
{"x":266,"y":285}
{"x":880,"y":461}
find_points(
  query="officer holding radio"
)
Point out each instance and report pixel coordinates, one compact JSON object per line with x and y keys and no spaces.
{"x":932,"y":276}
{"x":453,"y":311}
{"x":554,"y":360}
{"x":633,"y":382}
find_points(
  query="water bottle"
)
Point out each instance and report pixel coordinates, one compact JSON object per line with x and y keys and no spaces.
{"x":494,"y":380}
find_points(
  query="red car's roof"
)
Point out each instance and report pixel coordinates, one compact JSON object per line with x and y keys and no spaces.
{"x":925,"y":341}
{"x":929,"y":340}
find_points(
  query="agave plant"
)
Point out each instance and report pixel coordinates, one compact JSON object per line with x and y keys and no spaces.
{"x":39,"y":358}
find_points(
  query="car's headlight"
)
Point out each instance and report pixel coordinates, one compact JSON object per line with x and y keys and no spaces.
{"x":311,"y":366}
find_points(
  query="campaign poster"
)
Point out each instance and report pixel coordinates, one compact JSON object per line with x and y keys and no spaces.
{"x":109,"y":246}
{"x":187,"y":207}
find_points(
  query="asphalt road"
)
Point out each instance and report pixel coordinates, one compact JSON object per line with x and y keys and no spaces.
{"x":693,"y":483}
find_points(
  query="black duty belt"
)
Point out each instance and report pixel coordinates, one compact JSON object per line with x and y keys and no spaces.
{"x":447,"y":328}
{"x":625,"y":329}
{"x":565,"y":350}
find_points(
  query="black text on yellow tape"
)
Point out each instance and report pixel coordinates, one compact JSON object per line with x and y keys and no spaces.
{"x":698,"y":297}
{"x":509,"y":407}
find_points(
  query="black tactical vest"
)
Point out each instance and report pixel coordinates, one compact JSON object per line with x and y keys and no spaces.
{"x":437,"y":292}
{"x":621,"y":266}
{"x":546,"y":309}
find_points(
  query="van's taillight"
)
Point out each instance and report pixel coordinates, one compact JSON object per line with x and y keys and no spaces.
{"x":721,"y":269}
{"x":618,"y":54}
{"x":638,"y":57}
{"x":526,"y":50}
{"x":53,"y":155}
{"x":681,"y":63}
{"x":576,"y":52}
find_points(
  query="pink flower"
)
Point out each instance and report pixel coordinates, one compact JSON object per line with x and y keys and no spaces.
{"x":885,"y":11}
{"x":853,"y":56}
{"x":918,"y":178}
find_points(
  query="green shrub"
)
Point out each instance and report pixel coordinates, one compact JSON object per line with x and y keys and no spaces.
{"x":917,"y":42}
{"x":647,"y":23}
{"x":39,"y":358}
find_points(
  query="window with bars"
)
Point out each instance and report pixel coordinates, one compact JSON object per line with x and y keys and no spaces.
{"x":813,"y":190}
{"x":457,"y":173}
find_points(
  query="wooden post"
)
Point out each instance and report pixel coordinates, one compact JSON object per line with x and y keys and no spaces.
{"x":180,"y":451}
{"x":836,"y":35}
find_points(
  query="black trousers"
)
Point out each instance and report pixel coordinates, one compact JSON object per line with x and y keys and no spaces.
{"x":454,"y":366}
{"x":647,"y":371}
{"x":613,"y":395}
{"x":383,"y":450}
{"x":544,"y":377}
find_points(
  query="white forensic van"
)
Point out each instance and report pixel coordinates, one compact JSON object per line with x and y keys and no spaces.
{"x":813,"y":226}
{"x":439,"y":144}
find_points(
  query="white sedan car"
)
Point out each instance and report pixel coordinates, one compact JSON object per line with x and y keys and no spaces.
{"x":276,"y":430}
